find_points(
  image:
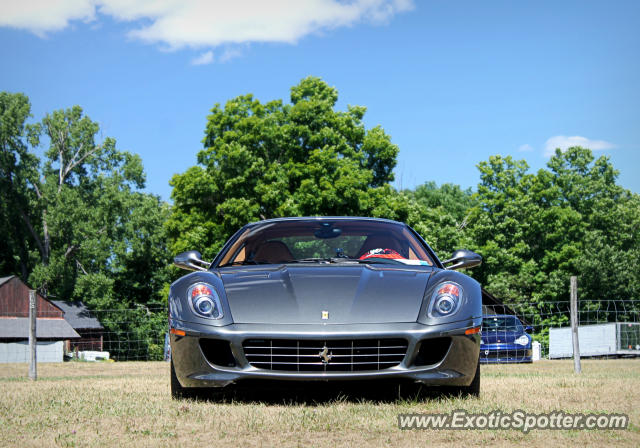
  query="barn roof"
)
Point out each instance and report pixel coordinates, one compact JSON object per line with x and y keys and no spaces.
{"x":5,"y":279}
{"x":78,"y":315}
{"x":18,"y":328}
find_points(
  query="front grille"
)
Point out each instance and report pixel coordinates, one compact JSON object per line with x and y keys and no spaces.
{"x":345,"y":355}
{"x":504,"y":353}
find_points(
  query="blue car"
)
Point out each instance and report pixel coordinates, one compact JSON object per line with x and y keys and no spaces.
{"x":504,"y":340}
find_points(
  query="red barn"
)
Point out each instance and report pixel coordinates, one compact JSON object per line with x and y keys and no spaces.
{"x":51,"y":327}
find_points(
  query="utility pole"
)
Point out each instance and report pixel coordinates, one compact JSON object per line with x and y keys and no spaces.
{"x":33,"y":341}
{"x":574,"y":324}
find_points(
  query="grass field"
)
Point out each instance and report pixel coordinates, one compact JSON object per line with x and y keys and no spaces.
{"x":128,"y":404}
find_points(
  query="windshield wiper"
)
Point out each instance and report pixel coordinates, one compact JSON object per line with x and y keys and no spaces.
{"x":327,"y":260}
{"x":243,"y":263}
{"x":374,"y":260}
{"x":333,"y":260}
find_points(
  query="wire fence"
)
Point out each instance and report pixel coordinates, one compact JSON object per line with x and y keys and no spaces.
{"x":611,"y":323}
{"x":134,"y":334}
{"x":140,"y":334}
{"x":137,"y":334}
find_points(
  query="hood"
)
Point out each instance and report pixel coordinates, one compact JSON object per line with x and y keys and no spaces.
{"x":500,"y":337}
{"x":343,"y":294}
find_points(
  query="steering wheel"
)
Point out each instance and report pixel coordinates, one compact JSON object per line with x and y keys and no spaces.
{"x":381,"y":253}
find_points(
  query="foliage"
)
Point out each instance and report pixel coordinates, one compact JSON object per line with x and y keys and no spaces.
{"x":77,"y":225}
{"x":99,"y":239}
{"x":17,"y":166}
{"x":134,"y":334}
{"x":536,"y":230}
{"x":440,"y":215}
{"x":274,"y":159}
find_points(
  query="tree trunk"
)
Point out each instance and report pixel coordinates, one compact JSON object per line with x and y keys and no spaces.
{"x":47,"y":240}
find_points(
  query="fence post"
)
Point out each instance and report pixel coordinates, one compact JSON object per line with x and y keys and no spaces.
{"x":33,"y":341}
{"x":574,"y":324}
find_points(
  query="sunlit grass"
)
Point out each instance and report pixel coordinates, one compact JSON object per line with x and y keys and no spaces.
{"x":128,"y":404}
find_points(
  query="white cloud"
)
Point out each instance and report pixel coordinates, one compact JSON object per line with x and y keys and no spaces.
{"x":203,"y":59}
{"x":205,"y":23}
{"x":42,"y":16}
{"x":194,"y":23}
{"x":229,"y":53}
{"x":525,"y":148}
{"x":563,"y":142}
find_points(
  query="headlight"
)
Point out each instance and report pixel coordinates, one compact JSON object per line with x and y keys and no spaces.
{"x":522,"y":340}
{"x":445,"y":300}
{"x":204,"y":301}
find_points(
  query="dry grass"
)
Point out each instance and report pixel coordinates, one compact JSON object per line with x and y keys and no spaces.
{"x":128,"y":404}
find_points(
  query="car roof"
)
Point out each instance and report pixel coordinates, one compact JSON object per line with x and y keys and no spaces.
{"x":324,"y":218}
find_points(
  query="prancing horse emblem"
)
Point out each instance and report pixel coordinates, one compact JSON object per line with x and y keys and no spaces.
{"x":325,"y":355}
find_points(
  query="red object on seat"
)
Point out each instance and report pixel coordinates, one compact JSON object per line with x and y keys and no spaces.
{"x":382,"y":253}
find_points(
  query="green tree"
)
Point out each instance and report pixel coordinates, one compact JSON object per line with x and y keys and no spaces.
{"x":440,"y":215}
{"x":101,"y":240}
{"x":536,"y":230}
{"x":274,"y":159}
{"x":17,"y":166}
{"x":76,"y":224}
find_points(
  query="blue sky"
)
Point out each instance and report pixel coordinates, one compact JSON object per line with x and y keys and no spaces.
{"x":452,"y":82}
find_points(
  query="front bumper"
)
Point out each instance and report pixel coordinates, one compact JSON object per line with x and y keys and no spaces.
{"x":456,"y":367}
{"x":504,"y":353}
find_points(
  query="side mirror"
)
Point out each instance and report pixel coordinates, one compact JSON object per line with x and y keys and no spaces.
{"x":528,"y":329}
{"x":191,"y":260}
{"x":463,"y":259}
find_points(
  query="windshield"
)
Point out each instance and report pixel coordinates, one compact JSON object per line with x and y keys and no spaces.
{"x":314,"y":240}
{"x":502,"y":323}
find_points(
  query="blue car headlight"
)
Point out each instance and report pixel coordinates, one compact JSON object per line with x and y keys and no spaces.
{"x":446,"y":299}
{"x":522,"y":340}
{"x":204,"y":301}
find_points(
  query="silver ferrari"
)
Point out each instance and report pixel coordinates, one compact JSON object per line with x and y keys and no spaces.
{"x":325,"y":299}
